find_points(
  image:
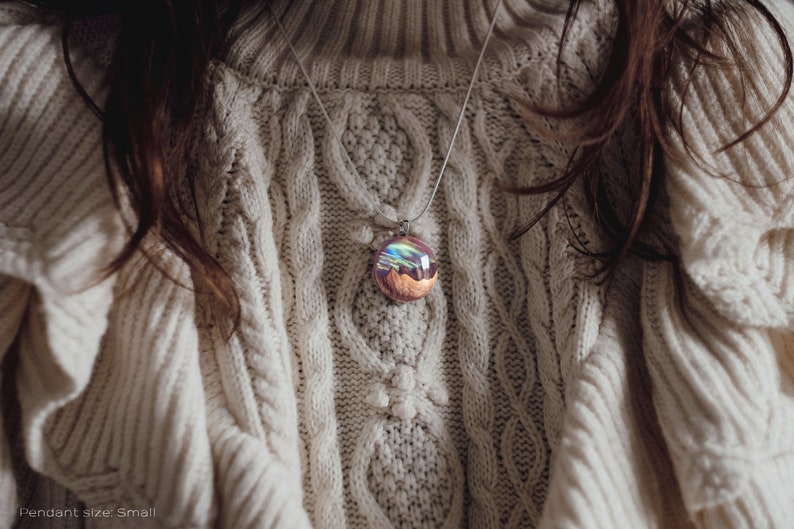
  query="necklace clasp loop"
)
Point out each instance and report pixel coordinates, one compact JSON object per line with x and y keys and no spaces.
{"x":404,"y":227}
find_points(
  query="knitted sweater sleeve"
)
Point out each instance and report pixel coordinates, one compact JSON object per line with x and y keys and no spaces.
{"x":58,"y":227}
{"x":719,"y":338}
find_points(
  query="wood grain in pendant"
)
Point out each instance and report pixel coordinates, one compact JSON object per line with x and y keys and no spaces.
{"x":405,"y":268}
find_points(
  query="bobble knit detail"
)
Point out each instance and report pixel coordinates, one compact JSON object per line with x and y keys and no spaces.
{"x":518,"y":394}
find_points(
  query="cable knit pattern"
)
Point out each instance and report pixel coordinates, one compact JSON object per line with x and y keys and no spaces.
{"x":518,"y":394}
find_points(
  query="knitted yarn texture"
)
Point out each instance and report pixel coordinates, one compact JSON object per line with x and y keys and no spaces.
{"x":517,"y":394}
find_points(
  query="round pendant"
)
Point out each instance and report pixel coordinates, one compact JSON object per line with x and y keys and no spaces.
{"x":405,"y":268}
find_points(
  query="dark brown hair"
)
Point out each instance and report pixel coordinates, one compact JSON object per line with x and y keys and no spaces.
{"x":164,"y":48}
{"x":162,"y":53}
{"x":651,"y":39}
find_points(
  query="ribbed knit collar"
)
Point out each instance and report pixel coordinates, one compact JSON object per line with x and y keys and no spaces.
{"x":387,"y":43}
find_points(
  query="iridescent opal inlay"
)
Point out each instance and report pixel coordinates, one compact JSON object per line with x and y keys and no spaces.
{"x":405,"y":268}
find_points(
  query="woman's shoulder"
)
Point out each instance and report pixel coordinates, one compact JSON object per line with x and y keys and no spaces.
{"x":731,"y":183}
{"x":57,"y":215}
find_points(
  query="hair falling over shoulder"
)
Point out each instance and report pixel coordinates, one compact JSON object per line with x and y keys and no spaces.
{"x":163,"y":50}
{"x":165,"y":47}
{"x":651,"y":39}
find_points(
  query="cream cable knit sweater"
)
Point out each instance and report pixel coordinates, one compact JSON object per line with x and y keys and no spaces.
{"x":513,"y":396}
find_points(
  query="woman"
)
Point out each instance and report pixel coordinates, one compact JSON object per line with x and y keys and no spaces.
{"x":204,"y":343}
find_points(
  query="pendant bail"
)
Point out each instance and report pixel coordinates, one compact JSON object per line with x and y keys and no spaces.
{"x":404,"y":227}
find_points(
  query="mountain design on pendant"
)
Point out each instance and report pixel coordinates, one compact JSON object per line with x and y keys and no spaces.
{"x":405,"y":268}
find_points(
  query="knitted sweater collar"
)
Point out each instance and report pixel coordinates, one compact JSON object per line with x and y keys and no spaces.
{"x":386,"y":44}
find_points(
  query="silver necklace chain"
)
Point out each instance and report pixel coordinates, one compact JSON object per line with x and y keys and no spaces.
{"x":403,"y":223}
